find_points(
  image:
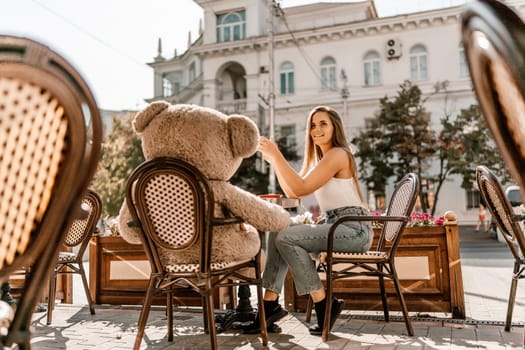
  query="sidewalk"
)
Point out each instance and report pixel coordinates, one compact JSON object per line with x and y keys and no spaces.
{"x":486,"y":267}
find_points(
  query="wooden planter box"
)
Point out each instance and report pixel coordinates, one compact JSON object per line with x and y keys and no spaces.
{"x":119,"y":274}
{"x":429,"y":268}
{"x":64,"y":287}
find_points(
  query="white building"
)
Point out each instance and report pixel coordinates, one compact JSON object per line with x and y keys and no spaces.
{"x":338,"y":54}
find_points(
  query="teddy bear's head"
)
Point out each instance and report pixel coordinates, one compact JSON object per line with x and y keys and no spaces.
{"x":211,"y":141}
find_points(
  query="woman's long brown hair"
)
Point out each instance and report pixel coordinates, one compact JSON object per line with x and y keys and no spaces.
{"x":313,"y":153}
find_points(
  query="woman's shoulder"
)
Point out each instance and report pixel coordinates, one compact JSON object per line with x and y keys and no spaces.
{"x":337,"y":152}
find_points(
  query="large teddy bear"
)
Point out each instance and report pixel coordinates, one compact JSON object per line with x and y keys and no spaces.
{"x":216,"y":145}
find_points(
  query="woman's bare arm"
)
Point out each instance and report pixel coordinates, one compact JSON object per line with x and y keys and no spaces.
{"x":334,"y":162}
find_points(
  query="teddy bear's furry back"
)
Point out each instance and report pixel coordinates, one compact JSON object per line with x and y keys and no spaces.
{"x":206,"y":138}
{"x":215,"y":144}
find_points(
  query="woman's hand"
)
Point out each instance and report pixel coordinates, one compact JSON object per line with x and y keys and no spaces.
{"x":269,"y":149}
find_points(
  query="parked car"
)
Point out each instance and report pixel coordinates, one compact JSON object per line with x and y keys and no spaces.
{"x":513,"y":193}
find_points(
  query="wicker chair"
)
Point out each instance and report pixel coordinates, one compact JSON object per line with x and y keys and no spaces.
{"x":509,"y":225}
{"x":50,"y":140}
{"x":77,"y":241}
{"x":494,"y":40}
{"x":378,"y":262}
{"x":173,"y":205}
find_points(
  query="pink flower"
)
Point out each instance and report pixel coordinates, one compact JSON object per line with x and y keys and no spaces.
{"x":417,"y":219}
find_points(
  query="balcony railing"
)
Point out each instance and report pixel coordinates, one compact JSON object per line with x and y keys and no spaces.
{"x":231,"y":106}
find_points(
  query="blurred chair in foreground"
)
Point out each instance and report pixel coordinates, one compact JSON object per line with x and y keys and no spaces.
{"x":50,"y":140}
{"x":173,"y":204}
{"x":77,"y":239}
{"x":494,"y":40}
{"x":509,"y":225}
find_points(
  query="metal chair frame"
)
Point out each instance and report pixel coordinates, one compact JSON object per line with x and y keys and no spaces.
{"x":206,"y":278}
{"x":30,"y":65}
{"x":379,"y":262}
{"x":78,"y":237}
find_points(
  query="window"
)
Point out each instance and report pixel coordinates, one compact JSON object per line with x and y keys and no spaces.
{"x":191,"y":72}
{"x":418,"y":63}
{"x":287,"y":132}
{"x":372,"y":69}
{"x":172,"y":83}
{"x":167,"y":87}
{"x":463,"y":68}
{"x":473,"y":199}
{"x":328,"y":77}
{"x":231,"y":26}
{"x":287,"y":78}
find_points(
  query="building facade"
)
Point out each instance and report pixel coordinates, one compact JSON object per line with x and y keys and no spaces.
{"x":252,"y":56}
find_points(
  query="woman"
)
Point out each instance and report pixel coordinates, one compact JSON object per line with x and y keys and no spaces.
{"x":482,"y":218}
{"x":330,"y":172}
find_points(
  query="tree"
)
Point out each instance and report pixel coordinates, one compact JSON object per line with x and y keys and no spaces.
{"x":477,"y":147}
{"x":121,"y":153}
{"x":400,"y":138}
{"x":372,"y":150}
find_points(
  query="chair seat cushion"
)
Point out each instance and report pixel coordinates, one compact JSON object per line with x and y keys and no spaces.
{"x":174,"y":268}
{"x":369,"y":255}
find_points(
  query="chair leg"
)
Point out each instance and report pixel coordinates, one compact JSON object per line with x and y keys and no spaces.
{"x":328,"y":310}
{"x":86,"y":288}
{"x":144,"y":313}
{"x":260,"y":301}
{"x":51,"y":296}
{"x":512,"y":297}
{"x":169,"y":312}
{"x":408,"y":324}
{"x":309,"y":307}
{"x":383,"y":294}
{"x":210,"y":315}
{"x":205,"y":318}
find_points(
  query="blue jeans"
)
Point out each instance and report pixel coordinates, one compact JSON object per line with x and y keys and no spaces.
{"x":292,"y":247}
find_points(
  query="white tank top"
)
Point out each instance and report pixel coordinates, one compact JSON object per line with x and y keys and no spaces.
{"x":337,"y":193}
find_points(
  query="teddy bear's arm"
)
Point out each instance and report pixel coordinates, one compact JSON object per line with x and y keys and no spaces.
{"x":259,"y":213}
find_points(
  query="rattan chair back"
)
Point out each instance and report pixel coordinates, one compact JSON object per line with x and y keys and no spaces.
{"x":501,"y":211}
{"x":170,"y":201}
{"x":81,"y":229}
{"x":50,"y":140}
{"x":401,"y":204}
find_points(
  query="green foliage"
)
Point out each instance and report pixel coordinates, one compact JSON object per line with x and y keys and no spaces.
{"x":372,"y":152}
{"x":400,"y":140}
{"x":121,"y":153}
{"x":472,"y":146}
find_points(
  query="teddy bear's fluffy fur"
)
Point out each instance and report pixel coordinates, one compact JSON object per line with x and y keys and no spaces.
{"x":215,"y":144}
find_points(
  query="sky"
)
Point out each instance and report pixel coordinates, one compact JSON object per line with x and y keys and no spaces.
{"x":110,"y":42}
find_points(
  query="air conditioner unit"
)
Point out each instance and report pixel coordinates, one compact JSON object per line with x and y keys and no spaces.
{"x":393,"y":48}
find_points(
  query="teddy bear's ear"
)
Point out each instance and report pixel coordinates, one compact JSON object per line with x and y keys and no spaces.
{"x":244,"y":136}
{"x":145,"y":116}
